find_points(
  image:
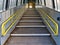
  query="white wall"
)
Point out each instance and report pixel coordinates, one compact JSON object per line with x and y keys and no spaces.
{"x":5,"y":15}
{"x":12,"y":3}
{"x":42,"y":2}
{"x":58,"y":4}
{"x":49,"y":3}
{"x":55,"y":4}
{"x":0,"y":18}
{"x":39,"y":2}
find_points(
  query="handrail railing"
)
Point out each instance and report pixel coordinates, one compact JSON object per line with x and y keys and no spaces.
{"x":53,"y":25}
{"x":8,"y":24}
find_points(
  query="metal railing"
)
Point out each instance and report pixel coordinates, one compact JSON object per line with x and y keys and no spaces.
{"x":52,"y":24}
{"x":8,"y":24}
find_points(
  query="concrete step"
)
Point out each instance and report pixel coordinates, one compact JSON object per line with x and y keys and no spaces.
{"x":30,"y":35}
{"x":30,"y":30}
{"x":37,"y":23}
{"x":30,"y":26}
{"x":30,"y":21}
{"x":31,"y":18}
{"x":31,"y":12}
{"x":30,"y":41}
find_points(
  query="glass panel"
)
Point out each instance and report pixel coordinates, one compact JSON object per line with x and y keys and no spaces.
{"x":19,"y":2}
{"x":12,"y":3}
{"x":1,"y":4}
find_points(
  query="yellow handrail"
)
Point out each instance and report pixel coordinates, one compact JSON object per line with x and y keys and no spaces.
{"x":55,"y":31}
{"x":3,"y":25}
{"x":13,"y":19}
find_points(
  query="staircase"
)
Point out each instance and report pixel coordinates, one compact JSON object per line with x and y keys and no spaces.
{"x":30,"y":30}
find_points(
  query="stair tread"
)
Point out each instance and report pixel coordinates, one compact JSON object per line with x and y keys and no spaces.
{"x":28,"y":26}
{"x":31,"y":17}
{"x":31,"y":26}
{"x":31,"y":21}
{"x":29,"y":41}
{"x":33,"y":14}
{"x":30,"y":30}
{"x":30,"y":12}
{"x":30,"y":35}
{"x":37,"y":23}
